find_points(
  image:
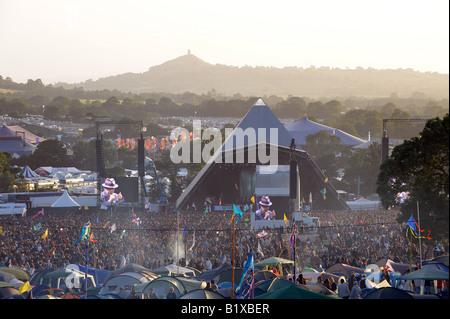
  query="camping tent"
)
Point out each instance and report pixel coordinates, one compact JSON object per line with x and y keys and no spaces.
{"x":162,"y":285}
{"x":98,"y":274}
{"x":294,"y":292}
{"x":221,"y":275}
{"x":344,"y":270}
{"x":172,"y":269}
{"x":388,"y":293}
{"x":127,"y":268}
{"x":124,"y":280}
{"x":301,"y":129}
{"x":65,"y":201}
{"x":202,"y":294}
{"x":66,"y":277}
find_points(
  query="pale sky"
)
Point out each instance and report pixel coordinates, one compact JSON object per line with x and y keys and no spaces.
{"x":75,"y":40}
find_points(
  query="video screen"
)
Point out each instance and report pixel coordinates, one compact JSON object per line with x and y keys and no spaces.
{"x":271,"y":207}
{"x":117,"y":190}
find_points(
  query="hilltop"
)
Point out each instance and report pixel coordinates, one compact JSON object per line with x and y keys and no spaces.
{"x":189,"y":73}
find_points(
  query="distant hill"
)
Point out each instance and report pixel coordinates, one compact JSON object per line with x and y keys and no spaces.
{"x":188,"y":73}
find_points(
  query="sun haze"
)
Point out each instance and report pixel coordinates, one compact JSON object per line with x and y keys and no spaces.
{"x":73,"y":41}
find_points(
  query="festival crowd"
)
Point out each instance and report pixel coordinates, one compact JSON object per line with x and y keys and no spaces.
{"x":357,"y":238}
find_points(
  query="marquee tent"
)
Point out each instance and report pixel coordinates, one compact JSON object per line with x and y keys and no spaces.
{"x":27,"y":172}
{"x":65,"y":201}
{"x":426,"y":273}
{"x":301,"y":129}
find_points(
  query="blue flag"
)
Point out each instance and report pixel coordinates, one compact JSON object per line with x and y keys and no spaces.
{"x":248,"y":265}
{"x":412,"y":224}
{"x":236,"y":211}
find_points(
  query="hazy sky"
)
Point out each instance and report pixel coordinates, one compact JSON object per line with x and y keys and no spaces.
{"x":76,"y":40}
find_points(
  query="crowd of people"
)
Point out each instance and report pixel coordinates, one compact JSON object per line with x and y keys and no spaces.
{"x":202,"y":240}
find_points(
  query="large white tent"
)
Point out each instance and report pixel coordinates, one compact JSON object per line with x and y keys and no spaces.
{"x":65,"y":201}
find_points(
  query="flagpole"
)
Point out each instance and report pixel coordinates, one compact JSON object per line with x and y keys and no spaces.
{"x":420,"y":240}
{"x":86,"y":270}
{"x":178,"y":232}
{"x":232,"y":261}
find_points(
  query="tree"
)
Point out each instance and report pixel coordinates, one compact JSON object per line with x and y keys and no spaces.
{"x":50,"y":153}
{"x":8,"y":174}
{"x":365,"y":164}
{"x":420,"y":166}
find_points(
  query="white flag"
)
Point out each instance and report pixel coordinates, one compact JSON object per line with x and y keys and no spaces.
{"x":113,"y":227}
{"x":260,"y":250}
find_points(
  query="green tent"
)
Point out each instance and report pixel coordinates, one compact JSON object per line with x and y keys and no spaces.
{"x":293,"y":292}
{"x":19,"y":273}
{"x":426,"y":273}
{"x":161,"y":285}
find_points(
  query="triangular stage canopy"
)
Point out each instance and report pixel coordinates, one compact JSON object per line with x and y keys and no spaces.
{"x":260,"y":116}
{"x":301,"y":129}
{"x":65,"y":201}
{"x":234,"y":181}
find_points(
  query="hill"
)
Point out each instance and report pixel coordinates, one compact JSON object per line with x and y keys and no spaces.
{"x":189,"y":73}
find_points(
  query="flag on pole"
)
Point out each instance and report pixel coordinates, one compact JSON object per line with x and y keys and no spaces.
{"x":236,"y":211}
{"x":285,"y":220}
{"x":44,"y":236}
{"x":91,"y":238}
{"x":252,"y":199}
{"x":113,"y":227}
{"x":106,"y":225}
{"x":84,"y":232}
{"x":38,"y":213}
{"x":415,"y":229}
{"x":123,"y":234}
{"x":293,"y":236}
{"x":310,"y":198}
{"x":248,"y":265}
{"x":259,"y":249}
{"x":323,"y":192}
{"x":193,"y":242}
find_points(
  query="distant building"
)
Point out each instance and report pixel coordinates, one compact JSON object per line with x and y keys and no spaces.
{"x":17,"y":141}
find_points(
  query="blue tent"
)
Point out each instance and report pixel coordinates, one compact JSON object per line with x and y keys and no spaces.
{"x":301,"y":129}
{"x":28,"y":173}
{"x":98,"y":274}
